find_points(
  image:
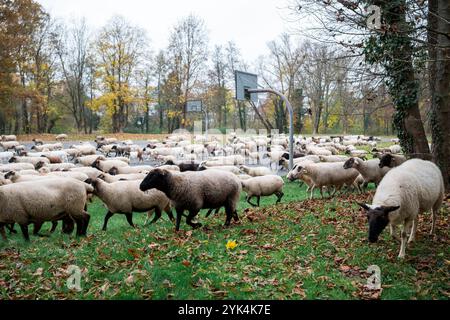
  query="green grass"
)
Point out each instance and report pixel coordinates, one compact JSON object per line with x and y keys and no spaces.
{"x":296,"y":250}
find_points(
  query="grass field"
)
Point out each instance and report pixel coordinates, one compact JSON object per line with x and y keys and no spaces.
{"x":296,"y":250}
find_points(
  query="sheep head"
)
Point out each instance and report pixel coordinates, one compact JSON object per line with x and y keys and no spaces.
{"x":10,"y":175}
{"x":378,"y":218}
{"x":156,"y":179}
{"x":39,"y":165}
{"x":350,"y":163}
{"x":387,"y":160}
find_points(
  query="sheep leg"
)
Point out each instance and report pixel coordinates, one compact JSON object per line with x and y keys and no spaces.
{"x":434,"y":215}
{"x":54,"y":226}
{"x":191,"y":216}
{"x":259,"y":200}
{"x":179,"y":215}
{"x":412,"y":237}
{"x":393,"y":232}
{"x":157,"y":216}
{"x":107,"y":217}
{"x":68,"y":225}
{"x":280,"y":196}
{"x":130,"y":219}
{"x":405,"y":227}
{"x":312,"y":192}
{"x":2,"y":231}
{"x":235,"y":216}
{"x":248,"y":200}
{"x":11,"y":229}
{"x":168,"y":210}
{"x":25,"y":233}
{"x":84,"y":224}
{"x":229,"y":212}
{"x":209,"y":213}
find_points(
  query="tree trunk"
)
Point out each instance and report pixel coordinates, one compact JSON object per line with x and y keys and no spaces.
{"x":439,"y":48}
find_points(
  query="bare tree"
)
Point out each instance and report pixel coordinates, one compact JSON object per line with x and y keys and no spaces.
{"x":71,"y":45}
{"x":188,"y":49}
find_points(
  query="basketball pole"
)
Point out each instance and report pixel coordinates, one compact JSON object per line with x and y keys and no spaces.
{"x":291,"y":120}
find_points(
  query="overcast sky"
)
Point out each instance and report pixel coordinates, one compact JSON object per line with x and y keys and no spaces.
{"x":250,"y":23}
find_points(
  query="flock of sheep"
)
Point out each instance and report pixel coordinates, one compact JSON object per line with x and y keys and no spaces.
{"x":48,"y":183}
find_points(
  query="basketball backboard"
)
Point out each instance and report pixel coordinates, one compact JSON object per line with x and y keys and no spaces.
{"x":245,"y":81}
{"x":194,"y":106}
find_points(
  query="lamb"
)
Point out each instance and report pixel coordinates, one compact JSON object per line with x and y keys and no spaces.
{"x":23,"y":203}
{"x":122,"y":177}
{"x":85,"y":149}
{"x":87,"y":161}
{"x":106,"y":165}
{"x":231,"y":169}
{"x":256,"y":172}
{"x":185,"y":166}
{"x":6,"y":156}
{"x":395,"y":149}
{"x":9,"y":145}
{"x":92,"y":173}
{"x":333,"y":158}
{"x":121,"y":150}
{"x":370,"y":170}
{"x":80,"y":176}
{"x":263,"y":187}
{"x":74,"y":153}
{"x":285,"y":163}
{"x":55,"y":166}
{"x":391,"y":160}
{"x":33,"y":160}
{"x":415,"y":187}
{"x":194,"y":191}
{"x":53,"y":159}
{"x":8,"y":138}
{"x":16,"y":167}
{"x":38,"y":142}
{"x":130,"y":170}
{"x":49,"y":147}
{"x":62,"y":137}
{"x":15,"y":177}
{"x":124,"y":197}
{"x":328,"y":175}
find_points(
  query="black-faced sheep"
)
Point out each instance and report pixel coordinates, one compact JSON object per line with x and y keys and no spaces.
{"x":370,"y":170}
{"x":194,"y":191}
{"x":391,"y":160}
{"x":411,"y":189}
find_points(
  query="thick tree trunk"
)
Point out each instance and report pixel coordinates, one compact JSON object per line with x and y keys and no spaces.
{"x":439,"y":48}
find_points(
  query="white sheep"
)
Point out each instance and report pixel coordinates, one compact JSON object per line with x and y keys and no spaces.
{"x":130,"y":170}
{"x":370,"y":169}
{"x":48,"y":200}
{"x":107,"y":165}
{"x":256,"y":172}
{"x":124,"y":197}
{"x":264,"y":186}
{"x":62,"y":137}
{"x":328,"y":175}
{"x":87,"y":161}
{"x":16,"y":167}
{"x":415,"y":187}
{"x":333,"y":158}
{"x":10,"y":145}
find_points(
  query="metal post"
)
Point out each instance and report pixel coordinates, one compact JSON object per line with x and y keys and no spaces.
{"x":291,"y":120}
{"x":206,"y":124}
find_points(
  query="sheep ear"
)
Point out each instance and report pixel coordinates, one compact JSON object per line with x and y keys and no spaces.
{"x":364,"y":206}
{"x":390,"y":209}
